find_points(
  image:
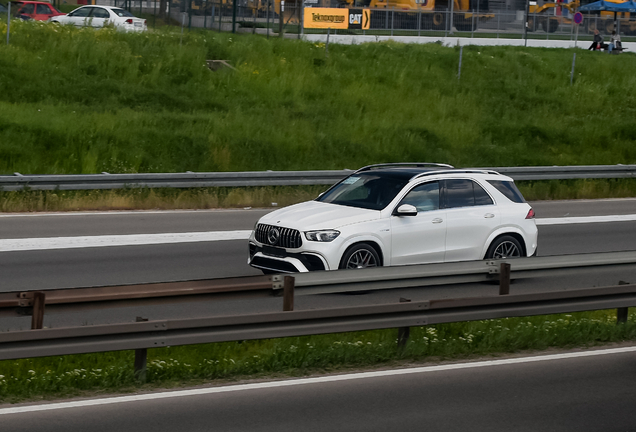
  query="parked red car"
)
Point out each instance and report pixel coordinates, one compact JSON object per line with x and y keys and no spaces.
{"x":37,"y":10}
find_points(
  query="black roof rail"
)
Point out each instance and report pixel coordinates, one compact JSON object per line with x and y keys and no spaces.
{"x":405,"y":164}
{"x":456,"y":171}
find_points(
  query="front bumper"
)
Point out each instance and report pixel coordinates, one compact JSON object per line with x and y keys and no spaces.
{"x":279,"y":260}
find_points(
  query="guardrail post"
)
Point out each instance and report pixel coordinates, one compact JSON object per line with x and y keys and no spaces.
{"x":621,"y":315}
{"x":37,"y":318}
{"x":288,"y":293}
{"x":403,"y":332}
{"x":504,"y":279}
{"x":141,"y":355}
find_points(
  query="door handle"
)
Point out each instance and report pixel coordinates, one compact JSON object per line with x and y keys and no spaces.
{"x":437,"y":220}
{"x":489,"y":215}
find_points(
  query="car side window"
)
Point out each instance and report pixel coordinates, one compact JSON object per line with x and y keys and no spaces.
{"x":100,"y":13}
{"x":424,"y":197}
{"x":43,"y":9}
{"x":465,"y":193}
{"x":27,"y":9}
{"x":81,"y":12}
{"x":481,"y":196}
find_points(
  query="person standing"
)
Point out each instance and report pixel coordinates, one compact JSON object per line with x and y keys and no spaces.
{"x":597,"y":43}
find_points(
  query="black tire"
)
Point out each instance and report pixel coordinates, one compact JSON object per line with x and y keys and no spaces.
{"x":504,"y":247}
{"x":439,"y":21}
{"x":465,"y":24}
{"x":360,"y":256}
{"x":427,"y":22}
{"x":550,"y":25}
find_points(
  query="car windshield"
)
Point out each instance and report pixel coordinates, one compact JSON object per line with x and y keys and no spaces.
{"x":122,"y":12}
{"x":370,"y":190}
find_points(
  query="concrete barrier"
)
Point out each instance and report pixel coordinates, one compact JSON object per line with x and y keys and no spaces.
{"x":455,"y":41}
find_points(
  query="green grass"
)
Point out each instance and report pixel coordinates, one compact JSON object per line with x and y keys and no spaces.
{"x":108,"y":101}
{"x":87,"y":374}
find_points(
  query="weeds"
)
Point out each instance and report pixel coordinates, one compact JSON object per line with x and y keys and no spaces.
{"x":113,"y":371}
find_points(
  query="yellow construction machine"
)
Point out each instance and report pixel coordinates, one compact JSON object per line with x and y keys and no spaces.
{"x":606,"y":21}
{"x":549,"y":15}
{"x":434,"y":13}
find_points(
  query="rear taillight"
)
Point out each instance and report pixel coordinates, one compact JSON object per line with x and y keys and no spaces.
{"x":530,"y":214}
{"x":129,"y":21}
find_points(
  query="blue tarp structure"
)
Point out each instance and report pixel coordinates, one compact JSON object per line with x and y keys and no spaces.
{"x":602,"y":5}
{"x":628,"y":6}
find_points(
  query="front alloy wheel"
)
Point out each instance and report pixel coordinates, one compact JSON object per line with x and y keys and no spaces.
{"x":504,"y":247}
{"x":360,"y":256}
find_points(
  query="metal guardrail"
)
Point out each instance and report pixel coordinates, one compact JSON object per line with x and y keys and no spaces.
{"x":273,"y":178}
{"x":152,"y":334}
{"x":312,"y":283}
{"x":148,"y":334}
{"x":382,"y":278}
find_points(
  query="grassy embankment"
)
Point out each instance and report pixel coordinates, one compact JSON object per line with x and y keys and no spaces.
{"x":82,"y":101}
{"x":227,"y":362}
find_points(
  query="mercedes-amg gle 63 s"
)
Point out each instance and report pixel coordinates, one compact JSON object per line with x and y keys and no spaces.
{"x":398,"y":214}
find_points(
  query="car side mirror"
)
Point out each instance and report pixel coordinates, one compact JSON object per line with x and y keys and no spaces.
{"x":406,"y":210}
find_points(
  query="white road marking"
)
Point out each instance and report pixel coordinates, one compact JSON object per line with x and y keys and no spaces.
{"x":48,"y":243}
{"x":303,"y":381}
{"x":586,"y":219}
{"x":124,"y":212}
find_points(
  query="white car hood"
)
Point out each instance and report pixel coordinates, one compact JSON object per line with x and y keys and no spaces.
{"x":315,"y":215}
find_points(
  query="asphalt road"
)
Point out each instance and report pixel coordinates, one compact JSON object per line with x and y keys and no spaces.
{"x":592,"y":393}
{"x":27,"y":225}
{"x":47,"y":269}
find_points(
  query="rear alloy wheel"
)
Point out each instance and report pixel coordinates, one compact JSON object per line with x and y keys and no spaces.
{"x":360,"y":256}
{"x":504,"y":247}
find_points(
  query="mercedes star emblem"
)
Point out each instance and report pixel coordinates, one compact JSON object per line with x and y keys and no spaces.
{"x":273,"y":235}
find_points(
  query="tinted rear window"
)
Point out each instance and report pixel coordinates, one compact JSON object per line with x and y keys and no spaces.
{"x":509,"y":189}
{"x":465,"y":193}
{"x":122,"y":12}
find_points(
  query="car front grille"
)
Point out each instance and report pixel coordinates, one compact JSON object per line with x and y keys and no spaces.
{"x":278,"y":236}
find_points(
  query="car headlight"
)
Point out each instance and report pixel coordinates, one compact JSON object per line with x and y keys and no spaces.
{"x":322,"y":236}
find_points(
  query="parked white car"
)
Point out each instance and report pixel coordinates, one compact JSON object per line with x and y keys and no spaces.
{"x":100,"y":16}
{"x":398,"y":214}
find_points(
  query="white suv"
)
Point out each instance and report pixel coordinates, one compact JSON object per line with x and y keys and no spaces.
{"x":398,"y":214}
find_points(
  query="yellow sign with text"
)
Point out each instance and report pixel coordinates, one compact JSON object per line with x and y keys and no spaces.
{"x":322,"y":18}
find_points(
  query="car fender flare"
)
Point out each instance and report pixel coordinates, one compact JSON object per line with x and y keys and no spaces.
{"x":503,"y":231}
{"x":377,"y":241}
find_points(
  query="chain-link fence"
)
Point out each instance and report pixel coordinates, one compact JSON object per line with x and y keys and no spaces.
{"x":262,"y":16}
{"x":510,"y":20}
